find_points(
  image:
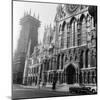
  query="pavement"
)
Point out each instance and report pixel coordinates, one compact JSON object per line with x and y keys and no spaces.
{"x":28,"y":92}
{"x":60,"y":88}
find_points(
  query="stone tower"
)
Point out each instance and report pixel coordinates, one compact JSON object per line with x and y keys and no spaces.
{"x":27,"y":40}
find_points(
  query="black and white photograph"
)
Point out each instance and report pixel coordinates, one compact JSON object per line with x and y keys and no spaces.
{"x":54,"y":49}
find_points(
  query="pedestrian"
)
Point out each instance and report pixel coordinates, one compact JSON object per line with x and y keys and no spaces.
{"x":54,"y":84}
{"x":39,"y":82}
{"x":54,"y":81}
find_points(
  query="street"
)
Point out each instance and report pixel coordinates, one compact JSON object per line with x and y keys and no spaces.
{"x":20,"y":92}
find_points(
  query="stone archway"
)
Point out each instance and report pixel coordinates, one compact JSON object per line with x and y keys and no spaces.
{"x":70,"y":74}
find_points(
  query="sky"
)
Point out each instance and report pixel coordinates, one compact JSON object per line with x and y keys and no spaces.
{"x":45,"y":11}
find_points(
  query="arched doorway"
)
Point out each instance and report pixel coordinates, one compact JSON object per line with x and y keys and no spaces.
{"x":70,"y":74}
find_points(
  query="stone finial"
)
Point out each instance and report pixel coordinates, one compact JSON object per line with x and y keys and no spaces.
{"x":38,"y":17}
{"x":30,"y":12}
{"x":34,"y":15}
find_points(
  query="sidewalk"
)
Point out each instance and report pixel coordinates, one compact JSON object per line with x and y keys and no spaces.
{"x":60,"y":87}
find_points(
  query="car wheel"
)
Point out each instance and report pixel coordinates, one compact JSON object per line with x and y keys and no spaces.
{"x":93,"y":91}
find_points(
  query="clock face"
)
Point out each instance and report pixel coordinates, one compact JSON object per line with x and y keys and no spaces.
{"x":72,"y":8}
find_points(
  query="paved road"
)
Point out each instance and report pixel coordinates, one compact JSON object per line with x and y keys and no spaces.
{"x":20,"y":92}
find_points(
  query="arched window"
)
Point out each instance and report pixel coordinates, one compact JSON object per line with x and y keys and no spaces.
{"x":93,"y":59}
{"x":75,"y":38}
{"x":88,"y":77}
{"x":63,"y":33}
{"x":93,"y":77}
{"x":81,"y":59}
{"x":85,"y":77}
{"x":78,"y":33}
{"x":68,"y":35}
{"x":88,"y":25}
{"x":88,"y":58}
{"x":59,"y":77}
{"x":83,"y":29}
{"x":73,"y":31}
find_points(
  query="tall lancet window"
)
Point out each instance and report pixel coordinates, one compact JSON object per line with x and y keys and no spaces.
{"x":88,"y":27}
{"x":63,"y":33}
{"x":59,"y":42}
{"x":78,"y":32}
{"x":68,"y":35}
{"x":73,"y":31}
{"x":83,"y":30}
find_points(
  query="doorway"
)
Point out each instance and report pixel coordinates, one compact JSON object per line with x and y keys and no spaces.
{"x":70,"y":74}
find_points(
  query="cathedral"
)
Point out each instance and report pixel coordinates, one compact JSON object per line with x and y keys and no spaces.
{"x":76,"y":36}
{"x":71,"y":56}
{"x":28,"y":39}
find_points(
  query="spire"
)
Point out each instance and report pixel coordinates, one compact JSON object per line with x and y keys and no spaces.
{"x":34,"y":15}
{"x":30,"y":12}
{"x":38,"y":16}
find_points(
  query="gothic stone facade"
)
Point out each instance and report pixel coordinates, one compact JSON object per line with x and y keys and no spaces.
{"x":73,"y":57}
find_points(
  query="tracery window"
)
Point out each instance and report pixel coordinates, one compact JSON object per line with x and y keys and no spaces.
{"x":86,"y":58}
{"x":89,"y":57}
{"x":68,"y":35}
{"x":73,"y":32}
{"x":78,"y":33}
{"x":63,"y":33}
{"x":93,"y":77}
{"x":81,"y":59}
{"x":88,"y":27}
{"x":93,"y":59}
{"x":83,"y":31}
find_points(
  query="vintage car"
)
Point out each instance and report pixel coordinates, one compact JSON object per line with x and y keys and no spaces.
{"x":80,"y":90}
{"x":93,"y":89}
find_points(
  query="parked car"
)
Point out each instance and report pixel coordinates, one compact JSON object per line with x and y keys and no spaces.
{"x":93,"y":89}
{"x":80,"y":90}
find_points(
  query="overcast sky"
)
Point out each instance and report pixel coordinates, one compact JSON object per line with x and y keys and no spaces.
{"x":46,"y":13}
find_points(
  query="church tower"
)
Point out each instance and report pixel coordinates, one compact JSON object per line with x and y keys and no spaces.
{"x":28,"y":39}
